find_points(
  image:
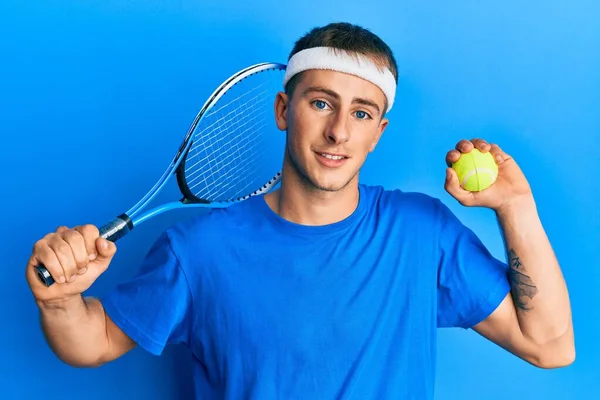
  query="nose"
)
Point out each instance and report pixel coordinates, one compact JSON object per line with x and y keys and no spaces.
{"x":337,"y":131}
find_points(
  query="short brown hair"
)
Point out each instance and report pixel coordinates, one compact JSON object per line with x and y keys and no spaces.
{"x":347,"y":37}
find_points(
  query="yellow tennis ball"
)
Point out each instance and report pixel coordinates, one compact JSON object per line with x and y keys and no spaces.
{"x":476,"y":170}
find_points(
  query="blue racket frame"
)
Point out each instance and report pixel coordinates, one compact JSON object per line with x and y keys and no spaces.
{"x":124,"y":223}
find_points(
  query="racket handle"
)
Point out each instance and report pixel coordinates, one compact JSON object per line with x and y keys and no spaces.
{"x":113,"y":231}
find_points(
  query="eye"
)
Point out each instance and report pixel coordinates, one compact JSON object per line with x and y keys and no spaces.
{"x":362,"y":115}
{"x":320,"y":104}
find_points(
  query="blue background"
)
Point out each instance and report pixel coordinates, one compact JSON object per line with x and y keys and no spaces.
{"x":95,"y":97}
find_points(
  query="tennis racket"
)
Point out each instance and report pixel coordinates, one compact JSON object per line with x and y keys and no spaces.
{"x":232,"y":151}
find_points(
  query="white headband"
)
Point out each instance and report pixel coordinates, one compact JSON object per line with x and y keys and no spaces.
{"x":359,"y":65}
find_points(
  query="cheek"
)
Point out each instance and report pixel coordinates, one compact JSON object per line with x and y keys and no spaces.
{"x":302,"y":127}
{"x":366,"y":136}
{"x":296,"y":137}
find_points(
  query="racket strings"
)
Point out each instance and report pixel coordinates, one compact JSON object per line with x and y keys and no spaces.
{"x":237,"y":147}
{"x":245,"y":150}
{"x":247,"y":153}
{"x":215,"y":111}
{"x":216,"y":129}
{"x":217,"y":138}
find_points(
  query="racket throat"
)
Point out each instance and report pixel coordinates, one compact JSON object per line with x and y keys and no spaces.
{"x":185,"y":200}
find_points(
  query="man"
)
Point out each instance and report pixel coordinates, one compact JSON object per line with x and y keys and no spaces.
{"x":325,"y":288}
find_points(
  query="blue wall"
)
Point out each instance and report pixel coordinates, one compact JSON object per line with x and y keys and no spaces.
{"x":81,"y":83}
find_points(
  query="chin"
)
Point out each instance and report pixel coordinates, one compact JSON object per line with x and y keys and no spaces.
{"x":330,"y":185}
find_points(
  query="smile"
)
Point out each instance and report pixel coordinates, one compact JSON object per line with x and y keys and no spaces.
{"x":332,"y":156}
{"x":329,"y":160}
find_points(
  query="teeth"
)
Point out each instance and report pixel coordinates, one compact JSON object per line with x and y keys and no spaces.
{"x":331,"y":157}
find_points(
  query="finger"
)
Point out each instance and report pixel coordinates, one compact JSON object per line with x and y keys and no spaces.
{"x":90,"y":233}
{"x":499,"y":155}
{"x":452,"y":186}
{"x":65,"y":256}
{"x":106,"y":249}
{"x":464,"y":146}
{"x":481,"y":145}
{"x":44,"y":256}
{"x":452,"y":156}
{"x":80,"y":253}
{"x":62,"y":229}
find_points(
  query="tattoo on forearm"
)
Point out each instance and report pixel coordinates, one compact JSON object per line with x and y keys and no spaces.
{"x":523,"y":288}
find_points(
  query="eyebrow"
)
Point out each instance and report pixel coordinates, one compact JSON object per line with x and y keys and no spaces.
{"x":335,"y":95}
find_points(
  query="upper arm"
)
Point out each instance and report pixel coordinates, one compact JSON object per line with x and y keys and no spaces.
{"x":154,"y":308}
{"x":471,"y":282}
{"x":118,"y":341}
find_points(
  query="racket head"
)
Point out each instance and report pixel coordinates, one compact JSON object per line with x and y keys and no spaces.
{"x":234,"y":149}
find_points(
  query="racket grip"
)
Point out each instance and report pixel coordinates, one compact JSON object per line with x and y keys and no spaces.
{"x":113,"y":231}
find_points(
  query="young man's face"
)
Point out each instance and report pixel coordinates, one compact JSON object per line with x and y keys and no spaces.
{"x":333,"y":121}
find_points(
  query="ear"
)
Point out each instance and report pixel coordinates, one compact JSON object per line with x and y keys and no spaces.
{"x":281,"y":107}
{"x":382,"y":125}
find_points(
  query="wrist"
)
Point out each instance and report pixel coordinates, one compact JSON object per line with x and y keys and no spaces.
{"x":61,"y":304}
{"x":519,"y":218}
{"x":520,"y":206}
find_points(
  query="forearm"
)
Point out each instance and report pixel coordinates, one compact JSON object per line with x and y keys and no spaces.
{"x":538,"y":288}
{"x":76,"y":330}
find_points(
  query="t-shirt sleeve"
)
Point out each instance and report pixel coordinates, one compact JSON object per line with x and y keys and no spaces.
{"x":471,"y":282}
{"x":155,"y":307}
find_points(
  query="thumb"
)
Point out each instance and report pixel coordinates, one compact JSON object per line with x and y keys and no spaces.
{"x":106,"y":250}
{"x":452,"y":186}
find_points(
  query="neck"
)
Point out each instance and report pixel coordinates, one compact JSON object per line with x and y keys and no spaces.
{"x":295,"y":201}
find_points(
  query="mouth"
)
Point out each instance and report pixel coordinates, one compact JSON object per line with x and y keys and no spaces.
{"x":332,"y":156}
{"x":331,"y":160}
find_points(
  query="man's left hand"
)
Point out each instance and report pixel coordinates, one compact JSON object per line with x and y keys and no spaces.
{"x":510,"y":186}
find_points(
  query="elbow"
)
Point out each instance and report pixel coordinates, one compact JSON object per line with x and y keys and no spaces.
{"x":556,"y":361}
{"x":83,"y":364}
{"x":556,"y":356}
{"x":558,"y":352}
{"x":80,"y":362}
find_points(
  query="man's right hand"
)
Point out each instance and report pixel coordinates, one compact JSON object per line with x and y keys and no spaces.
{"x":74,"y":257}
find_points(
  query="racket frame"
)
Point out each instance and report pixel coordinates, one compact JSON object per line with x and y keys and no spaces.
{"x":124,"y":223}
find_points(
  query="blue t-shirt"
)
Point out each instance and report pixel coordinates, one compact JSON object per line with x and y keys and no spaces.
{"x":275,"y":310}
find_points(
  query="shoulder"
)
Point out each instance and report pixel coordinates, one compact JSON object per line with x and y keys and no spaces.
{"x":397,"y":201}
{"x":415,"y":211}
{"x":214,"y":225}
